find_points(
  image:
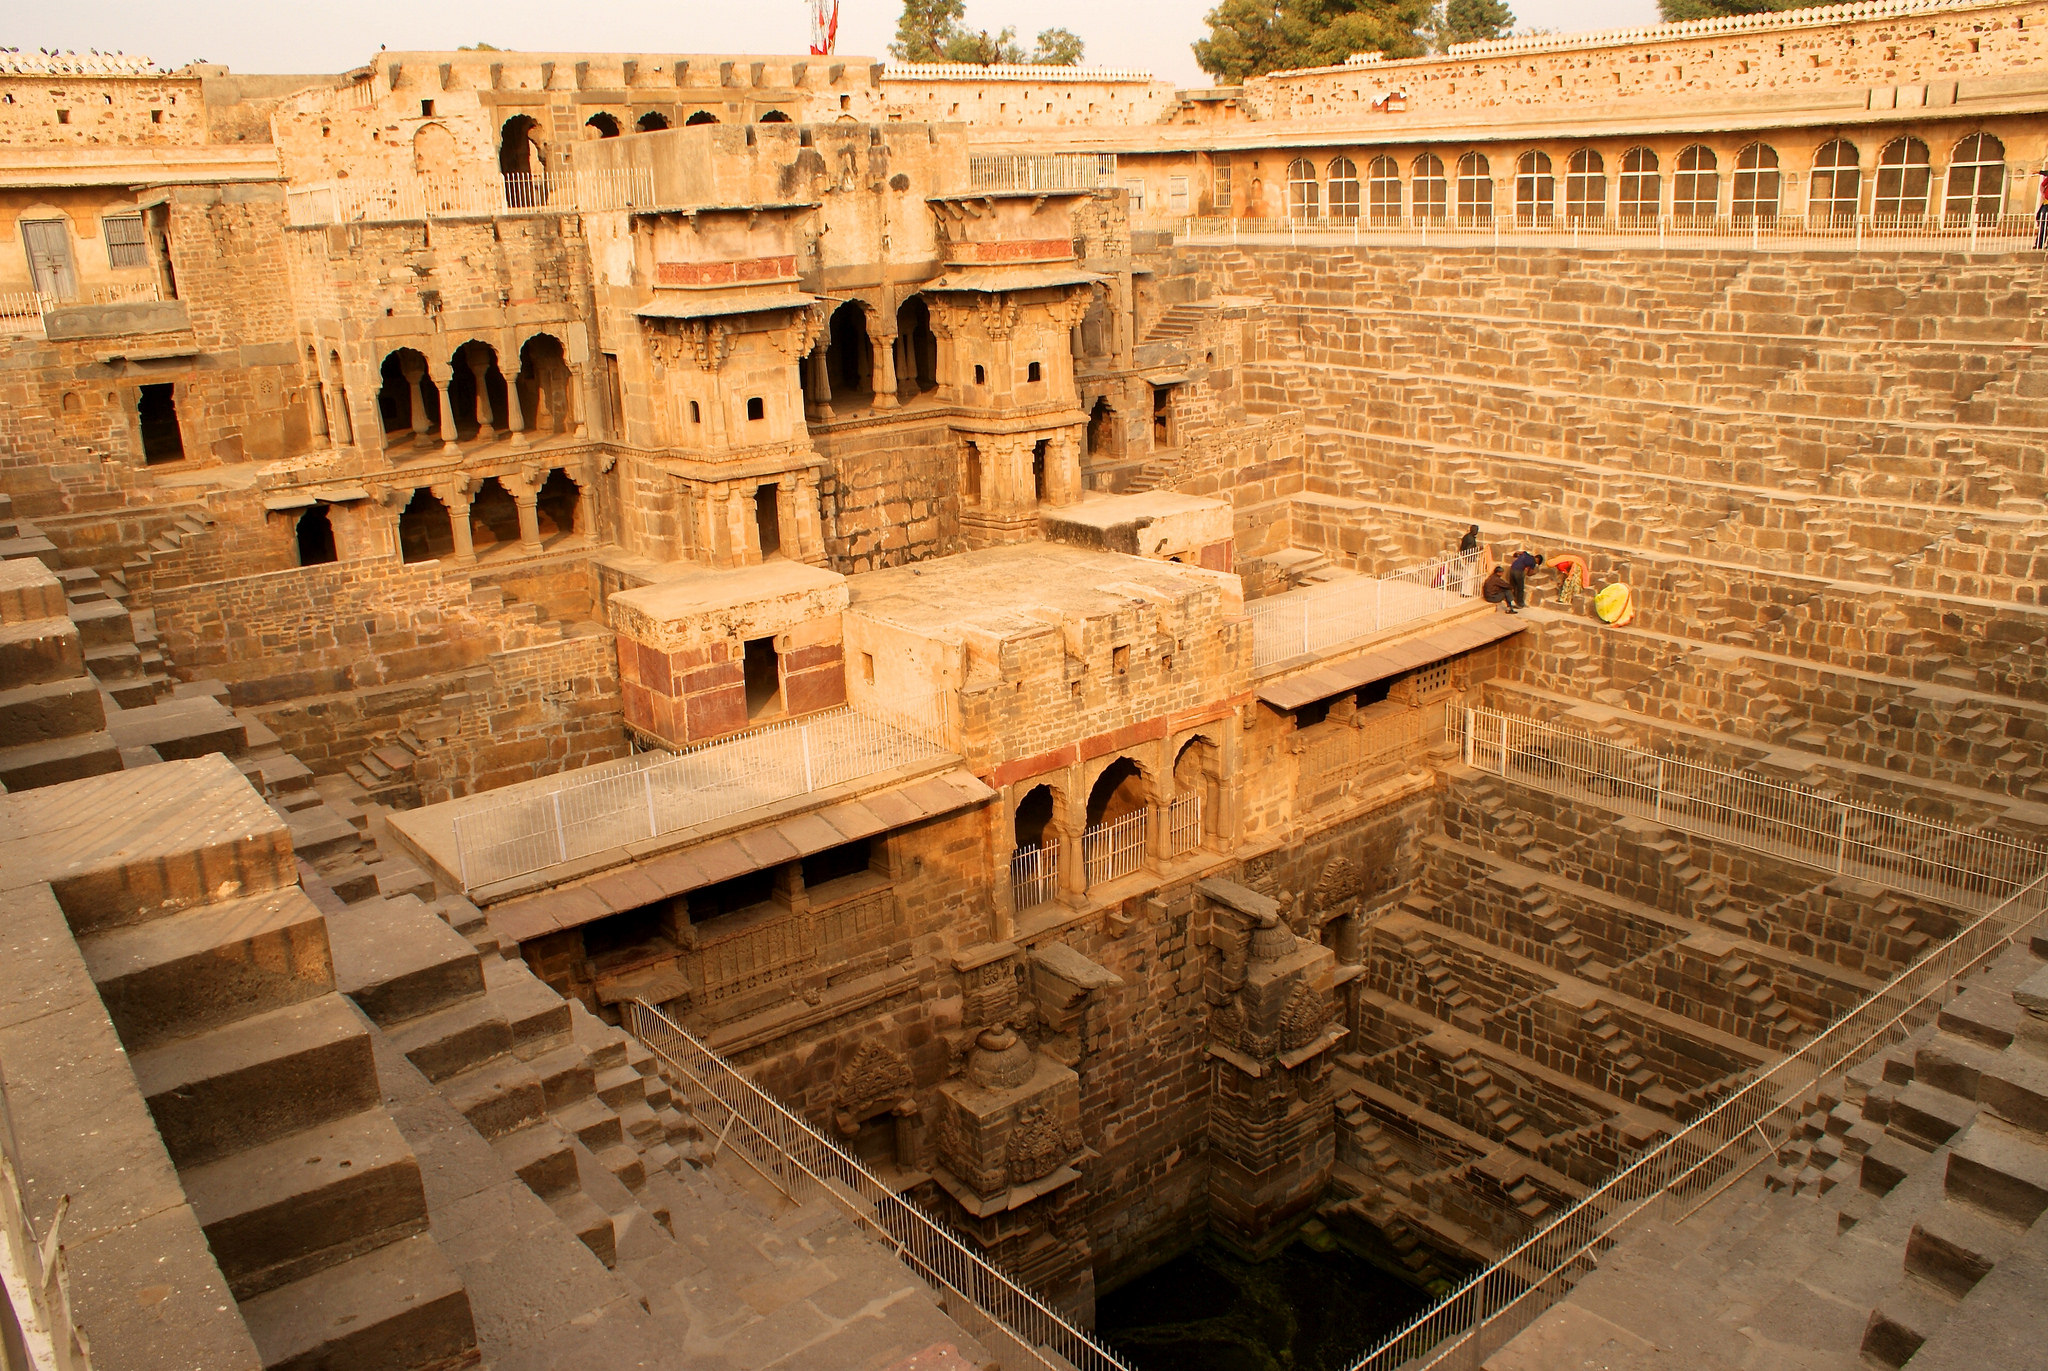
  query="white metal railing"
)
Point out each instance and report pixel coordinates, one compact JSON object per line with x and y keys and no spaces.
{"x":1184,"y":823}
{"x":468,"y":195}
{"x":607,"y":806}
{"x":1959,"y":867}
{"x":35,"y":1280}
{"x":1042,"y":171}
{"x":1021,"y":1329}
{"x":26,"y":308}
{"x":1675,"y":1178}
{"x":1115,"y":848}
{"x":1968,"y":231}
{"x":1335,"y":754}
{"x":1034,"y":874}
{"x":1302,"y":621}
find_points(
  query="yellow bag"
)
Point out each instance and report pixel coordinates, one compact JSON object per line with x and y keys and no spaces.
{"x":1614,"y":605}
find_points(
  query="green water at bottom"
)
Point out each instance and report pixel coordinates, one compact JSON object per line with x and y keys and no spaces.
{"x":1302,"y":1310}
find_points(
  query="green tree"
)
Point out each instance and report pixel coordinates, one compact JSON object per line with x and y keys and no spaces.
{"x":1470,"y":21}
{"x":1057,"y":48}
{"x":1675,"y":10}
{"x":1252,"y":37}
{"x":926,"y":30}
{"x":984,"y":49}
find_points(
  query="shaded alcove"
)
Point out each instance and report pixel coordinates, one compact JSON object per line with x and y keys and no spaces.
{"x":424,"y":533}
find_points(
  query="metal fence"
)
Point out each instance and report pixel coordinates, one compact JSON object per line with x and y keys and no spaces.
{"x":1959,"y":867}
{"x":36,"y":1326}
{"x":1042,"y":171}
{"x":1303,"y":621}
{"x":1964,"y":232}
{"x":1184,"y":823}
{"x":24,"y":309}
{"x":1034,"y":874}
{"x":1115,"y":848}
{"x":643,"y":797}
{"x":1677,"y":1177}
{"x":466,"y":196}
{"x":1017,"y":1326}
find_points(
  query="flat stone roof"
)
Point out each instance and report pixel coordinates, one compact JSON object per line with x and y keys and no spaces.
{"x":1006,"y":590}
{"x":1114,"y":511}
{"x":703,"y":590}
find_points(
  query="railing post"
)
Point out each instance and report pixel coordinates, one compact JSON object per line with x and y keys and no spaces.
{"x":1469,"y":721}
{"x":1379,"y":601}
{"x":648,"y":777}
{"x":1841,"y":838}
{"x":561,"y":837}
{"x":1503,"y":747}
{"x":805,"y":730}
{"x":462,"y":856}
{"x":1660,"y":790}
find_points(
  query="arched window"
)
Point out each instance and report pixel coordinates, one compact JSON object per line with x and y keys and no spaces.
{"x":1475,"y":189}
{"x":775,"y":116}
{"x":1976,"y":180}
{"x":523,"y":162}
{"x":1756,"y":184}
{"x":1696,"y":188}
{"x":1905,"y":174}
{"x":1432,"y":189}
{"x":1535,"y":189}
{"x":1585,"y":188}
{"x":1837,"y":191}
{"x":1642,"y":190}
{"x":600,"y":125}
{"x":1304,"y":194}
{"x":1343,"y":189}
{"x":654,"y":122}
{"x":1383,"y":189}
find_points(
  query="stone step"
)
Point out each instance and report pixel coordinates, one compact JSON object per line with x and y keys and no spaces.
{"x":46,"y":710}
{"x":277,"y":1213}
{"x":398,"y":961}
{"x":207,"y":967}
{"x":1927,"y":1117}
{"x":31,"y":766}
{"x":39,"y":650}
{"x":539,"y":1155}
{"x":621,"y":1084}
{"x":539,"y":1017}
{"x":2000,"y":1171}
{"x":592,"y":1123}
{"x":497,"y":1097}
{"x":401,"y":1307}
{"x":592,"y":1226}
{"x":566,"y":1076}
{"x":455,"y":1039}
{"x":259,"y":1079}
{"x":1953,"y":1248}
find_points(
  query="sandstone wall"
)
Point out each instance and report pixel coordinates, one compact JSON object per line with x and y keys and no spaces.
{"x":1767,"y":55}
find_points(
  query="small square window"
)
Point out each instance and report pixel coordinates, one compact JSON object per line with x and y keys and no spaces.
{"x":1032,"y":374}
{"x":980,"y":374}
{"x":757,"y":408}
{"x":156,"y":116}
{"x":867,"y":667}
{"x":1120,"y":659}
{"x":63,"y":116}
{"x":696,"y":415}
{"x":426,"y":109}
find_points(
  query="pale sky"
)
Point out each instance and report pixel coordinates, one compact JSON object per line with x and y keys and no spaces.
{"x":296,"y":36}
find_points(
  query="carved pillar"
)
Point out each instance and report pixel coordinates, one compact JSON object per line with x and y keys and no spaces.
{"x":820,"y":407}
{"x":480,"y":368}
{"x":885,"y":370}
{"x":456,"y":495}
{"x":316,"y":409}
{"x":515,"y":407}
{"x":444,"y":378}
{"x":415,"y":374}
{"x":529,"y":519}
{"x":576,"y":403}
{"x":741,"y":536}
{"x":1069,"y":818}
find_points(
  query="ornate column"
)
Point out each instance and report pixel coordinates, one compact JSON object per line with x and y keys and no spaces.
{"x":820,"y":407}
{"x":415,"y":374}
{"x":885,"y":370}
{"x":515,"y":409}
{"x":456,"y":495}
{"x":739,"y":528}
{"x":316,"y":407}
{"x":1069,"y":818}
{"x":443,"y":378}
{"x":574,"y":404}
{"x":525,"y":491}
{"x":480,"y":368}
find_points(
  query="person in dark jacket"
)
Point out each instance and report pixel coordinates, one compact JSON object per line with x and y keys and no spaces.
{"x":1496,"y":590}
{"x":1468,"y":561}
{"x":1524,"y":562}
